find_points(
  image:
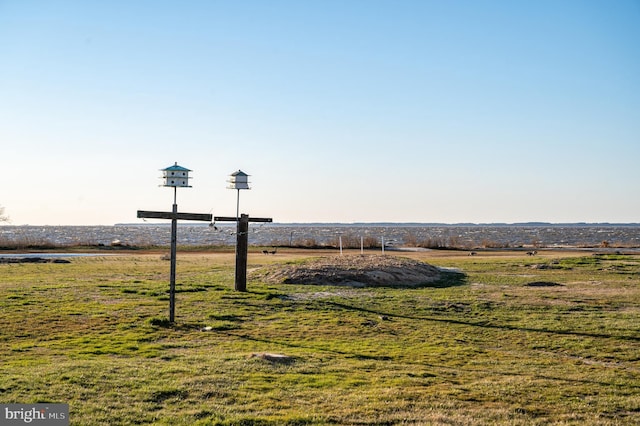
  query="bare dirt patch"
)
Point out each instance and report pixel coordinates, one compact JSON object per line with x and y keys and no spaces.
{"x":543,"y":284}
{"x":354,"y":271}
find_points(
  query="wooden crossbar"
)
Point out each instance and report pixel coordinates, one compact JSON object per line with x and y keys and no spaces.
{"x":233,"y":219}
{"x":170,"y":215}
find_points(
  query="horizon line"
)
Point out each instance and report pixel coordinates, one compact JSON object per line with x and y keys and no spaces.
{"x":378,"y":223}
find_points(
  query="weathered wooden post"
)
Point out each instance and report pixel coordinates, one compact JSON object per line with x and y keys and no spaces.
{"x":172,"y":272}
{"x":174,"y":176}
{"x":242,"y":250}
{"x":242,"y":245}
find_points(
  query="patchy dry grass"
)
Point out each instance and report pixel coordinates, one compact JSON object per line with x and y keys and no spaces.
{"x":493,"y":350}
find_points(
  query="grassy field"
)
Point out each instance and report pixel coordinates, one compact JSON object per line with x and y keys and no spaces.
{"x":517,"y":340}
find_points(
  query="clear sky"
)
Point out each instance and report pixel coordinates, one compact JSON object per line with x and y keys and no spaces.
{"x":340,"y":110}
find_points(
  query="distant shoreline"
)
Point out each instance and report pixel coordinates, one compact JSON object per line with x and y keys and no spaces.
{"x":364,"y":224}
{"x":403,"y":224}
{"x":471,"y":236}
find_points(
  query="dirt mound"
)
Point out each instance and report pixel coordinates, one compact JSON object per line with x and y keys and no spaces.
{"x":355,"y":271}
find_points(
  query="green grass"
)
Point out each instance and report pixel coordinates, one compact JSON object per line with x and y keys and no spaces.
{"x":481,"y":349}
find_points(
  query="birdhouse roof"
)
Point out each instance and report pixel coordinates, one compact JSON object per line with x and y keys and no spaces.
{"x":239,"y":173}
{"x":176,"y":168}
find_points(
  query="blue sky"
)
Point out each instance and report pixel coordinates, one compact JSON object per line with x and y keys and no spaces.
{"x":341,"y":111}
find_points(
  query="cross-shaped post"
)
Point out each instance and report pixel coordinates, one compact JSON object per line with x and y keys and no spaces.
{"x":174,"y":216}
{"x":242,"y":245}
{"x":174,"y":177}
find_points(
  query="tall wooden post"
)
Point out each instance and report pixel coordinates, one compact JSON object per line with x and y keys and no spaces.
{"x":172,"y":274}
{"x":242,"y":250}
{"x":242,"y":246}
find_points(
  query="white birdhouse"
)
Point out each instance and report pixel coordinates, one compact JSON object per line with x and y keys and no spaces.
{"x":176,"y":176}
{"x":239,"y":180}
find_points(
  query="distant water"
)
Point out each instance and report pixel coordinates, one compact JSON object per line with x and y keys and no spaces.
{"x":543,"y":235}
